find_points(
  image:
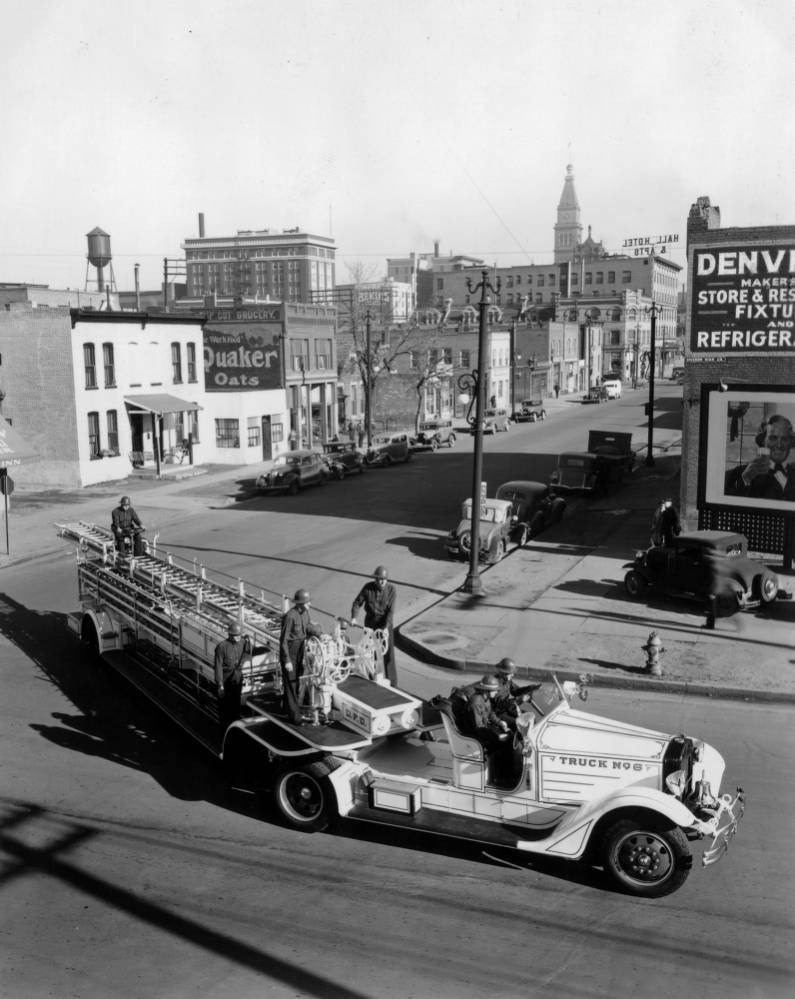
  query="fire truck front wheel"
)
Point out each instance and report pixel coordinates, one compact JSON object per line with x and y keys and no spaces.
{"x":304,"y":797}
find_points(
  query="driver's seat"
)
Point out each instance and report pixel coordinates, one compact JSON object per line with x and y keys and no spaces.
{"x":469,"y":766}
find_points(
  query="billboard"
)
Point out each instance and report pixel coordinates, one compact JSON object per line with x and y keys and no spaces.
{"x":749,"y":458}
{"x":242,"y":357}
{"x":742,"y":299}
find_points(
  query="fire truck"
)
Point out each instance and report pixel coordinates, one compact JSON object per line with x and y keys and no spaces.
{"x":570,"y":785}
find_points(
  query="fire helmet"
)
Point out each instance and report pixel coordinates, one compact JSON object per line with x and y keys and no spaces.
{"x":301,"y":597}
{"x":489,"y":682}
{"x":234,"y":628}
{"x":506,"y":666}
{"x":380,"y":572}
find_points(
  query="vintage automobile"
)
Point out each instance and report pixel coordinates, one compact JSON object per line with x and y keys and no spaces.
{"x":494,"y":420}
{"x":529,"y":411}
{"x":597,"y":393}
{"x":703,"y":564}
{"x":607,"y":461}
{"x":342,"y":458}
{"x":612,"y":387}
{"x":432,"y":434}
{"x":534,"y":507}
{"x":574,"y":786}
{"x":292,"y":471}
{"x":388,"y":448}
{"x":497,"y":529}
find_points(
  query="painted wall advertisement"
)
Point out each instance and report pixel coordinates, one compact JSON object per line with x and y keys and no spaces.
{"x":743,"y":300}
{"x":242,"y":356}
{"x":750,"y":448}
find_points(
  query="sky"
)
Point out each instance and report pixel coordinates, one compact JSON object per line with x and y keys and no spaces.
{"x":387,"y":124}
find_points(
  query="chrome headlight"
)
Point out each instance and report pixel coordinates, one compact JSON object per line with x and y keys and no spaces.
{"x":676,"y":783}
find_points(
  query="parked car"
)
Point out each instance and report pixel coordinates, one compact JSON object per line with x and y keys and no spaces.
{"x":292,"y":471}
{"x":677,"y":375}
{"x":388,"y":448}
{"x":612,"y":387}
{"x":495,"y":420}
{"x":608,"y":459}
{"x":434,"y":433}
{"x":701,"y":564}
{"x":597,"y":393}
{"x":342,"y":458}
{"x":534,"y":507}
{"x":529,"y":411}
{"x":497,"y":528}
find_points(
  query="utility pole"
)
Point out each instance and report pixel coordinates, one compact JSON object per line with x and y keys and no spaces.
{"x":476,"y":382}
{"x":652,"y":310}
{"x":368,"y":389}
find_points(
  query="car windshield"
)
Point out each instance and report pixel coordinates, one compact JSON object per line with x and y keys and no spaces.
{"x":286,"y":460}
{"x":488,"y":514}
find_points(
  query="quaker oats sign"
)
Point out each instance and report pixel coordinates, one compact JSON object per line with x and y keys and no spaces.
{"x":240,"y":356}
{"x":743,"y":300}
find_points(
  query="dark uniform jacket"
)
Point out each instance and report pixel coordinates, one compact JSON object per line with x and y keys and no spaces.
{"x":295,"y":630}
{"x":379,"y":605}
{"x":123,"y":520}
{"x":228,"y":657}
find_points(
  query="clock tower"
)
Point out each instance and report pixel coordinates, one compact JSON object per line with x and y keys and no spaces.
{"x":568,"y":228}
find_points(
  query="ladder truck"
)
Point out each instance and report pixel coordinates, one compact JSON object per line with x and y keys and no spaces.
{"x":157,"y":619}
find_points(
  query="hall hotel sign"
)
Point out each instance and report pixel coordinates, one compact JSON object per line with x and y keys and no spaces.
{"x":743,"y":300}
{"x":645,"y":246}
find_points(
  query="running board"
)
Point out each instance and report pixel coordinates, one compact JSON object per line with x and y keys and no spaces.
{"x":465,"y":827}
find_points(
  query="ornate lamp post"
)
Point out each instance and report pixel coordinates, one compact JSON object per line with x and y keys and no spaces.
{"x":475,"y":384}
{"x":652,"y":310}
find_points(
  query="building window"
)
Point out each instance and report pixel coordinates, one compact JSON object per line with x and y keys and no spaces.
{"x":90,"y":364}
{"x":433,"y":357}
{"x":600,"y":277}
{"x":277,"y":432}
{"x":465,"y":359}
{"x":575,"y":278}
{"x":93,"y":436}
{"x":176,"y":362}
{"x":227,"y":433}
{"x":626,"y":277}
{"x":440,"y":284}
{"x":540,"y":280}
{"x":588,"y":277}
{"x":110,"y":370}
{"x":253,"y":431}
{"x":615,"y":338}
{"x":447,"y":355}
{"x":611,"y":277}
{"x":113,"y":431}
{"x":414,"y":359}
{"x":191,"y":348}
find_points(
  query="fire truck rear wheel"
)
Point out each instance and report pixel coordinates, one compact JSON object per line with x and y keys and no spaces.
{"x":89,"y":637}
{"x":304,"y":797}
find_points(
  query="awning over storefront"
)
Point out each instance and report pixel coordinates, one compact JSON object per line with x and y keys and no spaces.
{"x":159,"y":403}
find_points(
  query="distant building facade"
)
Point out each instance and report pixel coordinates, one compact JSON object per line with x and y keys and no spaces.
{"x":280,"y":266}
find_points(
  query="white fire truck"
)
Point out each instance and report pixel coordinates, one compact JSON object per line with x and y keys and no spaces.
{"x":575,"y":786}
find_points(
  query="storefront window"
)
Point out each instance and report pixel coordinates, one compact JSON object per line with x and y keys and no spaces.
{"x":227,"y":433}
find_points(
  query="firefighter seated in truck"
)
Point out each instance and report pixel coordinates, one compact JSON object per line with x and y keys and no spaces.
{"x":127,"y":527}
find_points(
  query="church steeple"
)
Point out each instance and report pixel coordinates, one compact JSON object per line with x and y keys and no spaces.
{"x":568,"y":228}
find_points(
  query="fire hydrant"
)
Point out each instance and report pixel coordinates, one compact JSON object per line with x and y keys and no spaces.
{"x":653,"y":649}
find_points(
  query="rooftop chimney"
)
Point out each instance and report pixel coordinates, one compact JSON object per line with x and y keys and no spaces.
{"x":201,"y":225}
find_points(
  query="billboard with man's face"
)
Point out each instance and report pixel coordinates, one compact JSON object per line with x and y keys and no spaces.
{"x":750,"y":449}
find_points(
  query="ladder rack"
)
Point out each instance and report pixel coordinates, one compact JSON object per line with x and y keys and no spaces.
{"x":188,"y":589}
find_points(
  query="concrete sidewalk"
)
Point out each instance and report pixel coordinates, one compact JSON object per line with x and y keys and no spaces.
{"x":560,"y":604}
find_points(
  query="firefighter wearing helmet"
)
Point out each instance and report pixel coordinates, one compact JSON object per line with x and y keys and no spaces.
{"x":510,"y":695}
{"x":378,"y":597}
{"x":296,"y":628}
{"x":229,"y":656}
{"x":489,"y":729}
{"x":126,"y":526}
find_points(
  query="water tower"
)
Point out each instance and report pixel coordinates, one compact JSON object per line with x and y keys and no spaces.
{"x":99,"y":256}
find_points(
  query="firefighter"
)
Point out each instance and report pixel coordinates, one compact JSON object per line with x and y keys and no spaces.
{"x":229,"y":656}
{"x":378,"y":599}
{"x":125,"y":523}
{"x":296,"y":628}
{"x":491,"y":731}
{"x":510,"y":696}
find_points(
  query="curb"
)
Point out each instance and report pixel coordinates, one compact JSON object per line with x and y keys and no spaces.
{"x":653,"y":684}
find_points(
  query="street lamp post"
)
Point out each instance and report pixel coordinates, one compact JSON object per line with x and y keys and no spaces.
{"x":475,"y":383}
{"x":513,"y":367}
{"x":652,"y":310}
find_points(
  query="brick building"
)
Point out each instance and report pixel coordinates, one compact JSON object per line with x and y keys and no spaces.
{"x":739,"y":372}
{"x":98,"y":394}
